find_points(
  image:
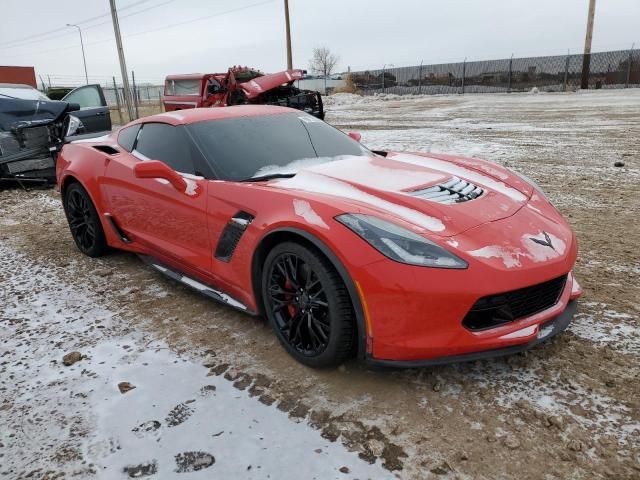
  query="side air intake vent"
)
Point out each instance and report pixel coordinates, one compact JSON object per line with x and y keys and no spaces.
{"x":455,"y":190}
{"x":108,"y":149}
{"x":231,"y":235}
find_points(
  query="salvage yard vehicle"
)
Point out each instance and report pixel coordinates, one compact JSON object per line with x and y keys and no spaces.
{"x":240,"y":86}
{"x":33,"y":128}
{"x":402,"y":259}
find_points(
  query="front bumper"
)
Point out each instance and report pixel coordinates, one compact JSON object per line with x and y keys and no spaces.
{"x":544,"y":332}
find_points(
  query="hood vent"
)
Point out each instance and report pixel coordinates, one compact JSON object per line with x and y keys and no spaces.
{"x":453,"y":191}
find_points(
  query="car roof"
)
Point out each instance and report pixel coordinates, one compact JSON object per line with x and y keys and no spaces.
{"x":195,"y":115}
{"x":187,"y":76}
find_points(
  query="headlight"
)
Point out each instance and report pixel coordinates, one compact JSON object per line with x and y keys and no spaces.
{"x":75,"y":124}
{"x":398,"y":243}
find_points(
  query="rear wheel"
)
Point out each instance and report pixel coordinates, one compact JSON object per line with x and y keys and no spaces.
{"x":84,"y":222}
{"x":307,"y":305}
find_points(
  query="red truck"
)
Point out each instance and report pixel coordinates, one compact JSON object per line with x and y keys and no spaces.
{"x":238,"y":86}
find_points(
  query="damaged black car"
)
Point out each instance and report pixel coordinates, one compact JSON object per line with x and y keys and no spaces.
{"x":33,"y":128}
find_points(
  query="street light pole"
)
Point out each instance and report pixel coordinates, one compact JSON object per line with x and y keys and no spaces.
{"x":84,"y":60}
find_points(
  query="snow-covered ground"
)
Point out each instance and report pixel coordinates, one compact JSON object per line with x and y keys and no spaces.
{"x":214,"y":390}
{"x":177,"y":419}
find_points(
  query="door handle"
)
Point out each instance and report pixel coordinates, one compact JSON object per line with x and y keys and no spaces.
{"x":101,"y":114}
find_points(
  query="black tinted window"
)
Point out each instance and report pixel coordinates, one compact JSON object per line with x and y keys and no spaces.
{"x":329,"y":142}
{"x":127,"y":137}
{"x":159,"y":141}
{"x":245,"y":147}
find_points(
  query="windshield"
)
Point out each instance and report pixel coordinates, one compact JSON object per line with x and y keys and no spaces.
{"x":247,"y":147}
{"x":22,"y":93}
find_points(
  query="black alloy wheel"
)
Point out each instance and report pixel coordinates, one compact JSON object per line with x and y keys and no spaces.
{"x":308,"y":305}
{"x":84,"y":222}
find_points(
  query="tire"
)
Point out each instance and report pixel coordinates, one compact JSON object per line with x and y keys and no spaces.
{"x":84,"y":222}
{"x":311,"y":314}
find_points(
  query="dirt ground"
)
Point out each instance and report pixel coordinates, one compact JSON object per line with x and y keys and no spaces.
{"x":566,"y":409}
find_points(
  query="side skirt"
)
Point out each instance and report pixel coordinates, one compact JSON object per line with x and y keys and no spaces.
{"x":203,"y":288}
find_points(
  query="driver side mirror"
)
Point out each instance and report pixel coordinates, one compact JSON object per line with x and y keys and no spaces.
{"x":158,"y":169}
{"x":355,"y":135}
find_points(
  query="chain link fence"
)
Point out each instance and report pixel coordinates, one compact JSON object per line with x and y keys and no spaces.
{"x":615,"y":69}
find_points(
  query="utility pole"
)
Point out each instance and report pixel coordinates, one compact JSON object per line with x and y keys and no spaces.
{"x":84,"y":60}
{"x":586,"y":60}
{"x":288,"y":27}
{"x":123,"y":65}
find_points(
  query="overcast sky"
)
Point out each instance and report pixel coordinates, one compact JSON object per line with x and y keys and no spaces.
{"x":162,"y":37}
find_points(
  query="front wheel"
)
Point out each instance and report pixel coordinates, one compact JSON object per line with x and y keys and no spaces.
{"x":84,"y":222}
{"x":307,"y":305}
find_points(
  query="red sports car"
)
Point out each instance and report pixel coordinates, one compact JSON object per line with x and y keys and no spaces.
{"x":403,"y":259}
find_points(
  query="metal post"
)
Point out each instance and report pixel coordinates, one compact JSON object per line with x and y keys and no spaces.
{"x":383,"y":77}
{"x":123,"y":65}
{"x":288,"y":28}
{"x":135,"y":93}
{"x":49,"y":78}
{"x":84,"y":60}
{"x":464,"y":72}
{"x":629,"y":65}
{"x":510,"y":72}
{"x":160,"y":100}
{"x":566,"y":71}
{"x":420,"y":78}
{"x":115,"y":91}
{"x":586,"y":60}
{"x":44,"y":87}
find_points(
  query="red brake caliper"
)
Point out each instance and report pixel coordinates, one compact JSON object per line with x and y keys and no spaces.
{"x":292,"y":309}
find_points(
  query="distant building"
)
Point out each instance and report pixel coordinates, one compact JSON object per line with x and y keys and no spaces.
{"x":22,"y":75}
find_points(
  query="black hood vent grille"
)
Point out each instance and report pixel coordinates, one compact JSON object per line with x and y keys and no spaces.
{"x":455,"y":190}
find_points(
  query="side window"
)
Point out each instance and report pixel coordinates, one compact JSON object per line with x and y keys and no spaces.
{"x":127,"y":137}
{"x":169,"y":144}
{"x":87,"y":97}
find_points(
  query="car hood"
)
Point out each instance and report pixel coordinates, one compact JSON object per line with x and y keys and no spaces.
{"x":259,"y":85}
{"x":391,"y":187}
{"x":18,"y":113}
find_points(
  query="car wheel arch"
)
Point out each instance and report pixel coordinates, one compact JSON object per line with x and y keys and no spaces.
{"x":292,"y":234}
{"x":69,"y":180}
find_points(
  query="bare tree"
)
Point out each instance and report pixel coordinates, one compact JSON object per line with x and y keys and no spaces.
{"x":323,"y":61}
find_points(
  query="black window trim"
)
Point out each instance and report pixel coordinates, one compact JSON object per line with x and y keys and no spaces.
{"x":135,"y":140}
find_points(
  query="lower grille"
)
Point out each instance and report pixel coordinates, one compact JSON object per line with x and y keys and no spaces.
{"x":495,"y":310}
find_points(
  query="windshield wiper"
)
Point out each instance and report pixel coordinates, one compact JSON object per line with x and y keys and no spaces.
{"x":262,"y":178}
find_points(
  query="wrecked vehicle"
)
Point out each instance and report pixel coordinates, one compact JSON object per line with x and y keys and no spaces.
{"x":240,"y":86}
{"x":33,"y":128}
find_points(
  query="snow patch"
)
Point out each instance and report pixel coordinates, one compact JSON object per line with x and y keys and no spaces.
{"x":510,"y":257}
{"x":303,"y":209}
{"x":310,"y":182}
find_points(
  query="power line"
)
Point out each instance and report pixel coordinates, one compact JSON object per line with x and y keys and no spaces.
{"x":86,"y":20}
{"x":106,"y":22}
{"x":145,"y":32}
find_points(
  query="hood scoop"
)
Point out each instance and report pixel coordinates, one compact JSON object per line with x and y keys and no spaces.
{"x":455,"y":190}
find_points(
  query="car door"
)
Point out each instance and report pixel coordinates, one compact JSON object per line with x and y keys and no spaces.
{"x":94,"y":112}
{"x":173,"y":223}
